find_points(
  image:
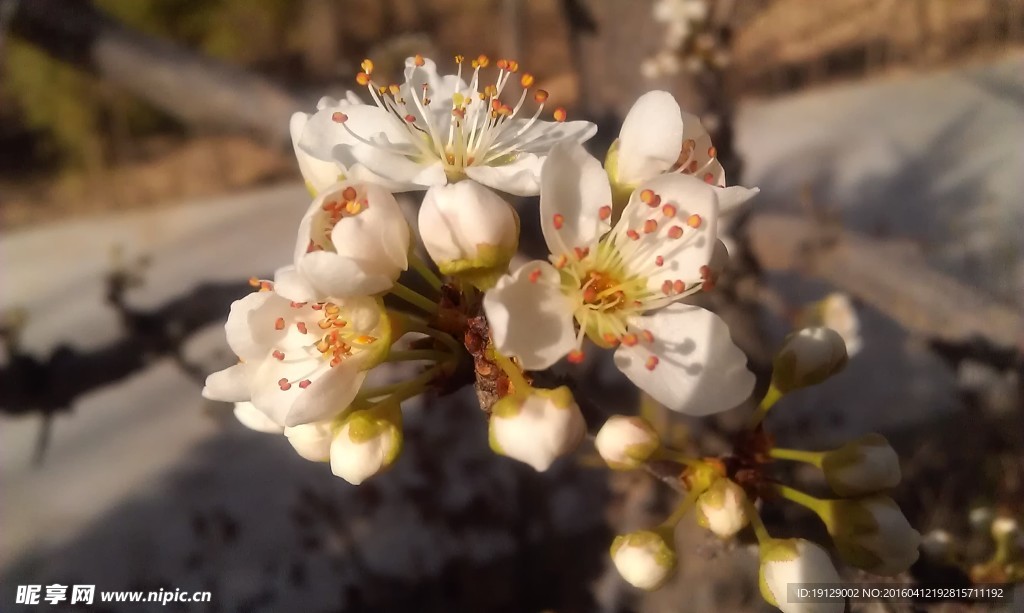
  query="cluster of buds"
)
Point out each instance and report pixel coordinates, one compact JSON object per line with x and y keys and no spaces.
{"x":688,"y":43}
{"x":1005,"y":548}
{"x":629,"y":239}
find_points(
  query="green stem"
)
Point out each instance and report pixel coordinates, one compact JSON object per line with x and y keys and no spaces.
{"x":425,"y":271}
{"x":812,"y":503}
{"x":414,"y":324}
{"x":514,"y":373}
{"x":767,"y":402}
{"x":405,"y":389}
{"x":417,"y":354}
{"x":414,"y":298}
{"x":798,"y":455}
{"x":684,"y":507}
{"x":755,"y":522}
{"x":663,"y":453}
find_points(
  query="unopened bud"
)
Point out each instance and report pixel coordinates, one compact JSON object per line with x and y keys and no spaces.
{"x":721,"y":508}
{"x":872,"y":534}
{"x":808,"y":357}
{"x":312,"y":441}
{"x":644,"y":558}
{"x":537,"y":427}
{"x":789,"y":561}
{"x":864,"y":466}
{"x":626,"y":442}
{"x":367,"y":442}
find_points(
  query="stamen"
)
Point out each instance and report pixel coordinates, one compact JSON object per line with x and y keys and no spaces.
{"x":560,"y":114}
{"x":284,"y":384}
{"x":559,"y":221}
{"x":279,"y":323}
{"x":668,"y":210}
{"x":575,"y":356}
{"x":694,"y":221}
{"x":278,"y":354}
{"x":650,"y":226}
{"x":651,"y":363}
{"x":675,"y":232}
{"x":301,"y":327}
{"x":305,"y":383}
{"x":339,"y":117}
{"x":604,"y":212}
{"x":534,"y":275}
{"x":629,"y":340}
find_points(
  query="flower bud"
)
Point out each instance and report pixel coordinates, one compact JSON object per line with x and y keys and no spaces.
{"x":864,"y":466}
{"x":721,"y":510}
{"x":808,"y":357}
{"x":626,"y":442}
{"x":1003,"y":527}
{"x":872,"y":534}
{"x":367,"y":442}
{"x":835,"y":311}
{"x":312,"y":441}
{"x":643,"y":558}
{"x":786,"y":561}
{"x":469,"y":231}
{"x":249,"y":416}
{"x":537,"y":427}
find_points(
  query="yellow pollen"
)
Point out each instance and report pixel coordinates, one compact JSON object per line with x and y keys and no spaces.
{"x":367,"y":66}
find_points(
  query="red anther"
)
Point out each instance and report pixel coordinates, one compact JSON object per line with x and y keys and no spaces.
{"x":279,"y":323}
{"x":604,"y":212}
{"x":410,"y":118}
{"x":540,"y":96}
{"x":534,"y":275}
{"x":558,"y":220}
{"x":675,"y":231}
{"x":418,"y":60}
{"x":694,"y":221}
{"x":678,"y":286}
{"x":709,"y":178}
{"x":278,"y":354}
{"x":460,"y":113}
{"x":495,"y":104}
{"x":651,"y":363}
{"x":513,"y":66}
{"x":647,"y":196}
{"x":305,"y":383}
{"x":560,"y":114}
{"x":633,"y":234}
{"x":589,"y":295}
{"x":317,"y":306}
{"x":629,"y":339}
{"x":339,"y":117}
{"x":650,"y":226}
{"x":335,"y":361}
{"x":301,"y":326}
{"x":349,"y":194}
{"x":666,"y":288}
{"x":659,"y":261}
{"x":648,"y":336}
{"x":610,"y":338}
{"x":362,"y":78}
{"x":581,"y":252}
{"x":575,"y":356}
{"x":297,"y":305}
{"x":254,"y":282}
{"x":669,"y":210}
{"x":284,"y":384}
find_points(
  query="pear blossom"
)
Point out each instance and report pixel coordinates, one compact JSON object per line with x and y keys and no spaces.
{"x":656,"y":138}
{"x":249,"y":416}
{"x":835,"y":311}
{"x":626,"y":442}
{"x":468,"y":230}
{"x":318,"y":173}
{"x":808,"y":357}
{"x":621,"y":286}
{"x":788,"y":561}
{"x":312,"y":441}
{"x":537,"y":426}
{"x":864,"y":466}
{"x":431,"y":130}
{"x":721,"y":510}
{"x":643,"y":558}
{"x":299,"y":362}
{"x":352,"y":241}
{"x":872,"y":534}
{"x":367,"y":442}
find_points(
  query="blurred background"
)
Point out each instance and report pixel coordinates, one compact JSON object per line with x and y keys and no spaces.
{"x":146,"y":173}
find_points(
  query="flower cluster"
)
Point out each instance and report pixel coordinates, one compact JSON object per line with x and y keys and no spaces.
{"x":630,"y":241}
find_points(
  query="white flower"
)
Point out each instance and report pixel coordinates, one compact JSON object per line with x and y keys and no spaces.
{"x":864,"y":466}
{"x":835,"y":311}
{"x":249,"y":416}
{"x":872,"y":534}
{"x":537,"y":427}
{"x":808,"y":357}
{"x":318,"y":173}
{"x":430,"y":129}
{"x":353,"y":241}
{"x":312,"y":441}
{"x":721,"y":508}
{"x":643,"y":558}
{"x":468,"y":230}
{"x":657,"y":138}
{"x":619,"y":286}
{"x":300,"y":362}
{"x":367,"y":442}
{"x":786,"y":561}
{"x":625,"y":442}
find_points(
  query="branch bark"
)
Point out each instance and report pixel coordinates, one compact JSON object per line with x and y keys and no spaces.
{"x":192,"y":88}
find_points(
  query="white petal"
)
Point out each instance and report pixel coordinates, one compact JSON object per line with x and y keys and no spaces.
{"x":228,"y":385}
{"x":244,"y":320}
{"x":651,"y":137}
{"x":521,"y":177}
{"x":699,"y":369}
{"x":330,"y":392}
{"x":701,"y":162}
{"x":318,"y":173}
{"x":341,"y":277}
{"x":322,"y":133}
{"x":574,"y":189}
{"x":288,"y":283}
{"x":398,"y":167}
{"x":531,"y":320}
{"x":731,"y":198}
{"x":543,"y":135}
{"x":312,"y":441}
{"x":249,"y":416}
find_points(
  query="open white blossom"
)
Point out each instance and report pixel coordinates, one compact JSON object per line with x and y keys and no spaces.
{"x":644,"y":558}
{"x":537,"y":427}
{"x":656,"y":138}
{"x":626,"y":442}
{"x":864,"y":466}
{"x":432,"y":129}
{"x":786,"y":561}
{"x":872,"y":534}
{"x":468,"y":230}
{"x":352,"y":241}
{"x":299,"y":362}
{"x":619,"y":286}
{"x":367,"y":442}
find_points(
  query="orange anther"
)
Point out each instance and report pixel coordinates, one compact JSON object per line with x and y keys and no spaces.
{"x":301,"y":327}
{"x":647,"y":196}
{"x":362,"y":78}
{"x":648,"y":336}
{"x":254,"y":282}
{"x":279,"y":323}
{"x":558,"y":220}
{"x":650,"y":226}
{"x":540,"y":96}
{"x":418,"y":60}
{"x":575,"y":356}
{"x":633,"y":234}
{"x":483,"y":60}
{"x":651,"y":363}
{"x":502,"y":64}
{"x":678,"y":286}
{"x":560,"y":114}
{"x":675,"y":231}
{"x":604,"y":212}
{"x":367,"y":66}
{"x":629,"y":339}
{"x":349,"y":193}
{"x":694,"y":221}
{"x":668,"y":210}
{"x":526,"y":80}
{"x":534,"y":275}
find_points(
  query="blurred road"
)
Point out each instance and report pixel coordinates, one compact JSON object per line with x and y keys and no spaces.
{"x":936,"y":159}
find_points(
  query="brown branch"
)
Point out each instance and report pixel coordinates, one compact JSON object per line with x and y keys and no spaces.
{"x":190,"y":87}
{"x":891,"y":277}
